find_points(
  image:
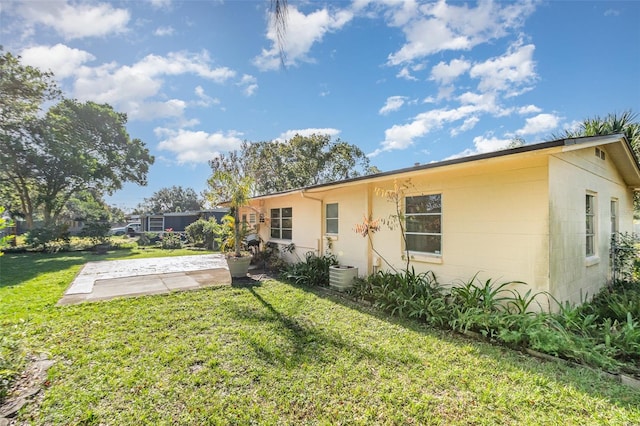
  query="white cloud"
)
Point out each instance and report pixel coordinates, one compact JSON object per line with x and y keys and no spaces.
{"x":529,"y":109}
{"x":445,"y":73}
{"x":468,"y":124}
{"x":160,"y":4}
{"x":307,"y":132}
{"x":612,"y":12}
{"x":249,"y":84}
{"x":402,"y":136}
{"x":60,"y":59}
{"x":393,"y":103}
{"x":164,"y":31}
{"x":539,"y":124}
{"x":76,"y":20}
{"x":406,"y":74}
{"x":151,"y":110}
{"x":129,"y":87}
{"x":482,"y":145}
{"x":302,"y":32}
{"x":204,"y":99}
{"x":507,"y":73}
{"x":436,"y":27}
{"x":197,"y":146}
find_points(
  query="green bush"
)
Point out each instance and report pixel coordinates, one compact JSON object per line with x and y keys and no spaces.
{"x":46,"y":237}
{"x":604,"y":333}
{"x":97,"y":232}
{"x":148,"y":239}
{"x":171,"y":240}
{"x":313,"y":271}
{"x":203,"y":233}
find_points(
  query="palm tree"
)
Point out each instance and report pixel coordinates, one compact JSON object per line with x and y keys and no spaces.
{"x":626,"y":123}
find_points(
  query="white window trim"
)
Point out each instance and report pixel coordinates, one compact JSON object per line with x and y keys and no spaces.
{"x":284,"y":240}
{"x":592,"y":258}
{"x":422,"y":256}
{"x":333,"y":235}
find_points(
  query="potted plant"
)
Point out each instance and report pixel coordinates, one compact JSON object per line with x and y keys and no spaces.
{"x":235,"y":191}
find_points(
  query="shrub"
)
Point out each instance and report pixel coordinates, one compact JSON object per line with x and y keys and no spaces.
{"x":203,"y":233}
{"x":45,"y":237}
{"x":269,"y":258}
{"x":97,"y":232}
{"x":170,"y":240}
{"x":313,"y":271}
{"x":148,"y":239}
{"x":405,"y":294}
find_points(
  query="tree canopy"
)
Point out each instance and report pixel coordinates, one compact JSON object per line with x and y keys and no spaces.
{"x":626,"y":123}
{"x":298,"y":162}
{"x":174,"y":199}
{"x":75,"y":146}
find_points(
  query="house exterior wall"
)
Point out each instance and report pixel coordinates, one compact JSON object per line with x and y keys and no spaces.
{"x":306,"y":227}
{"x":494,"y":221}
{"x":574,"y":276}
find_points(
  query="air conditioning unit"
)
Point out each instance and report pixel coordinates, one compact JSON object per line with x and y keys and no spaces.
{"x":341,"y":277}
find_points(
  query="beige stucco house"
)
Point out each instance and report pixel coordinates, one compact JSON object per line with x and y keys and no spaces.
{"x":540,"y":213}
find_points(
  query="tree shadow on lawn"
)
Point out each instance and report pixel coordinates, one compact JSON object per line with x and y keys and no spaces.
{"x":304,"y":342}
{"x":20,"y":268}
{"x":311,"y":344}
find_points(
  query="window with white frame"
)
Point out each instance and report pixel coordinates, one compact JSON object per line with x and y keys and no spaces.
{"x":331,"y":218}
{"x":590,"y":215}
{"x":282,"y":223}
{"x":614,"y":216}
{"x":423,"y":223}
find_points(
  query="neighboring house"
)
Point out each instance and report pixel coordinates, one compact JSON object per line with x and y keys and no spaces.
{"x":541,"y":213}
{"x":178,"y":221}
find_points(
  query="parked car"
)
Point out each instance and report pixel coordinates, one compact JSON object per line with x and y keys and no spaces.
{"x":130,"y":228}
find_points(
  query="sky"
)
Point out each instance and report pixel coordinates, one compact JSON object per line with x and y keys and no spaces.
{"x":407,"y":82}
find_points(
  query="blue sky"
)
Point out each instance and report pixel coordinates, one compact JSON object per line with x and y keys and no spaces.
{"x":406,"y":81}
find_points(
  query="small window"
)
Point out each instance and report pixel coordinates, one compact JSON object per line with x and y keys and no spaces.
{"x":252,"y":218}
{"x":261,"y":218}
{"x":282,"y":223}
{"x":590,"y":210}
{"x":614,"y":217}
{"x":423,"y":223}
{"x":331,"y":218}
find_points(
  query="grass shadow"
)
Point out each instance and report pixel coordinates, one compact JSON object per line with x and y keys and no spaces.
{"x":579,"y":377}
{"x":303,"y":342}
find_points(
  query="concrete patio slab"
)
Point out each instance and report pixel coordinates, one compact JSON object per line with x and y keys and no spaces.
{"x":135,"y":277}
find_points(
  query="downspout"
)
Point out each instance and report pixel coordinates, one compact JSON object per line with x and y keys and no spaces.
{"x":320,"y":241}
{"x":370,"y":264}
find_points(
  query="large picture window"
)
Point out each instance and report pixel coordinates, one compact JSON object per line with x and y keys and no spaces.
{"x":590,"y":213}
{"x":331,"y":216}
{"x":282,"y":223}
{"x":423,"y":223}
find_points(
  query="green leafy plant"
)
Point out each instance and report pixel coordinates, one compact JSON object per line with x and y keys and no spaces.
{"x":203,"y":233}
{"x":313,"y":271}
{"x":171,"y":240}
{"x":624,"y":253}
{"x":97,"y":232}
{"x":45,"y":237}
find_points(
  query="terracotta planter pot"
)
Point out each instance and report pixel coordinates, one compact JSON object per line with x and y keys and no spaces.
{"x":238,"y":266}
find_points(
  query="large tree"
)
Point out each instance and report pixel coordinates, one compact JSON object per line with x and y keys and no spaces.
{"x":75,"y":146}
{"x":298,"y":162}
{"x":23,"y":91}
{"x":174,"y":199}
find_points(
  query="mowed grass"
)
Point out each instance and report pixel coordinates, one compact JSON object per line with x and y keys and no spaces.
{"x":276,"y":354}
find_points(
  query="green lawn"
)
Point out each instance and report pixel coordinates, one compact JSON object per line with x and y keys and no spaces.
{"x":275,"y":354}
